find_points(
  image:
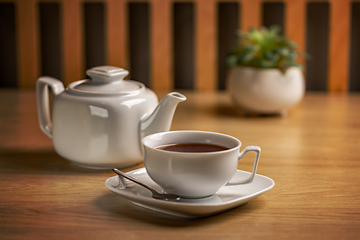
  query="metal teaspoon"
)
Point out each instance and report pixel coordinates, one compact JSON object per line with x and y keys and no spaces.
{"x":155,"y":194}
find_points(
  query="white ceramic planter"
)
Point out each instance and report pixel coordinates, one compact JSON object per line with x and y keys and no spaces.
{"x":266,"y":91}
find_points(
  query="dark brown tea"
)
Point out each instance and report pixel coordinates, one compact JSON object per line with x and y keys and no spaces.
{"x":192,"y":147}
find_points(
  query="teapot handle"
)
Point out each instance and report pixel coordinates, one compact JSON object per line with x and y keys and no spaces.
{"x":42,"y":95}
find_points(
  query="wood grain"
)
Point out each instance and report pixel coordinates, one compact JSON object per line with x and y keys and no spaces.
{"x":312,"y":155}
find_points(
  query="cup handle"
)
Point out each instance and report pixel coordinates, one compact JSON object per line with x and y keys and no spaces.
{"x":257,"y":151}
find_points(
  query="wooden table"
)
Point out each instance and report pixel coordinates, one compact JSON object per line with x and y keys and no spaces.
{"x":313,"y":155}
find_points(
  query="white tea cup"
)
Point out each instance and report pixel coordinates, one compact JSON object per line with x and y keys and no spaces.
{"x":194,"y":174}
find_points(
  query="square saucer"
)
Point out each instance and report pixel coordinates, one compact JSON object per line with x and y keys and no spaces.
{"x":226,"y":198}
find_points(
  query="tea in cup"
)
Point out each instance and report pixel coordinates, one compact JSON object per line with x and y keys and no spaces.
{"x":194,"y":164}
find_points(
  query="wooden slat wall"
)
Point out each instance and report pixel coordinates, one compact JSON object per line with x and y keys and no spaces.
{"x":161,"y":39}
{"x":116,"y":29}
{"x":295,"y":22}
{"x":250,"y":14}
{"x":73,"y":49}
{"x":339,"y":45}
{"x":205,"y":36}
{"x":162,"y":77}
{"x":28,"y":64}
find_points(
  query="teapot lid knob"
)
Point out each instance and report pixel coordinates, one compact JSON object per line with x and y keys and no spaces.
{"x":106,"y":81}
{"x":106,"y":74}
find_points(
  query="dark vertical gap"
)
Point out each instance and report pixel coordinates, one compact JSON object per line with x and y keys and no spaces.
{"x":8,"y":60}
{"x":273,"y":14}
{"x":354,"y":83}
{"x":317,"y":45}
{"x":94,"y":18}
{"x":228,"y":23}
{"x":184,"y":23}
{"x":50,"y":39}
{"x":139,"y":39}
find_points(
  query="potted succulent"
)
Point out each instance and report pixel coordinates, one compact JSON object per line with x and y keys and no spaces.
{"x":265,"y":76}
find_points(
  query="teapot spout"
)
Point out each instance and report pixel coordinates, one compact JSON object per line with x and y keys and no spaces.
{"x":161,"y":118}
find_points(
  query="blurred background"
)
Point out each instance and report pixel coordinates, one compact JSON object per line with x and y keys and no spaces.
{"x":171,"y":44}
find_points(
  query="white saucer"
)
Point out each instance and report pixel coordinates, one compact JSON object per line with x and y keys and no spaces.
{"x":226,"y":198}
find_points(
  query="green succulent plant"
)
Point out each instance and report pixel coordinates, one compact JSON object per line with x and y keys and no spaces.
{"x":264,"y":48}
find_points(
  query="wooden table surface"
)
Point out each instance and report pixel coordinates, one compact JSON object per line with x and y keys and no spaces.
{"x":313,"y":155}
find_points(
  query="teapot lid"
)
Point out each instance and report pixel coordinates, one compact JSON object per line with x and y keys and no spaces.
{"x":106,"y":81}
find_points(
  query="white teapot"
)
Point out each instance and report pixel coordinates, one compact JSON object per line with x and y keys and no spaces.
{"x":99,"y":123}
